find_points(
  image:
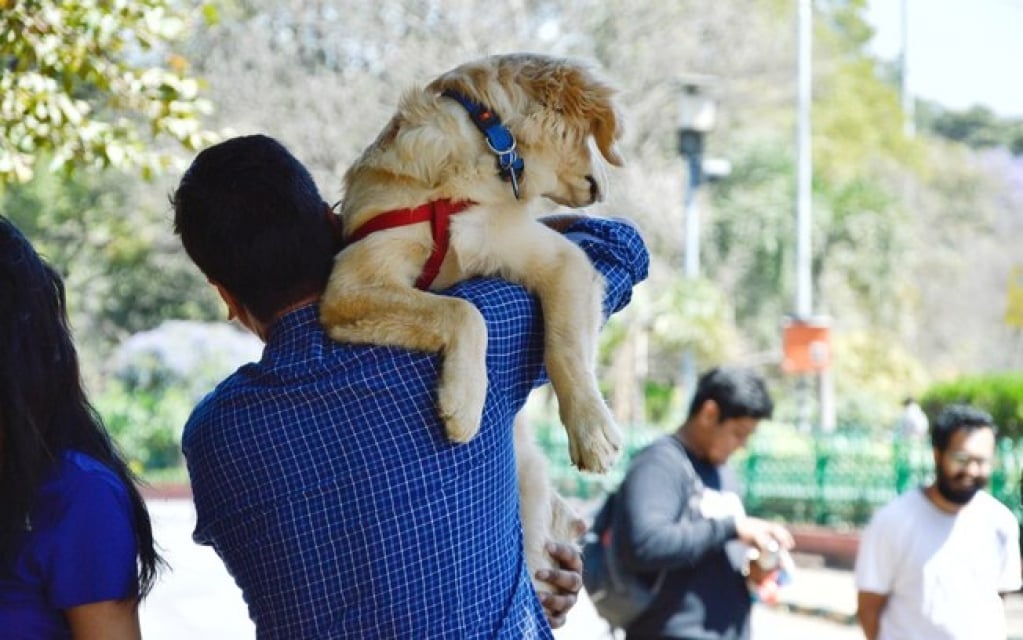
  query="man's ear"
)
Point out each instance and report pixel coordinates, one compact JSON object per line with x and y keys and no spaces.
{"x":710,"y":413}
{"x":237,"y":311}
{"x":234,"y":308}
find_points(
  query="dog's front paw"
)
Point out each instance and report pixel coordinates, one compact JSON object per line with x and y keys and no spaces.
{"x":594,"y":440}
{"x":460,"y":402}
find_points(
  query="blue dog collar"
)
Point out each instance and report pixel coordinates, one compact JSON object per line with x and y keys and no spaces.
{"x":510,"y":164}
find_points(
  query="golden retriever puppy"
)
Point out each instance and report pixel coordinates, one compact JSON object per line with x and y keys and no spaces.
{"x":451,"y":189}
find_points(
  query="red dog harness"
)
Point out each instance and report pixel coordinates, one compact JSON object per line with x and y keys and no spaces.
{"x":438,"y":213}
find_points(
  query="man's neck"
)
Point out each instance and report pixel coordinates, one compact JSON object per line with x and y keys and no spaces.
{"x":939,"y":501}
{"x":683,"y":436}
{"x":262,"y":329}
{"x":298,"y":304}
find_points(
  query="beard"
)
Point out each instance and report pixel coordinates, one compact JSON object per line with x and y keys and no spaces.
{"x":958,"y":494}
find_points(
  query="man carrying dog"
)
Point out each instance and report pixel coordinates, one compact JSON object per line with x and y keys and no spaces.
{"x":321,"y":475}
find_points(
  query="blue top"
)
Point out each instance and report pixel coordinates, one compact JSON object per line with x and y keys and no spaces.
{"x":78,"y":548}
{"x":322,"y":476}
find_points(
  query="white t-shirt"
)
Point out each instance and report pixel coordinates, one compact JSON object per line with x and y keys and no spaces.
{"x":942,"y":572}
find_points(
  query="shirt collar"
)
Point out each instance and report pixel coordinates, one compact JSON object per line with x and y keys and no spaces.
{"x":292,"y":324}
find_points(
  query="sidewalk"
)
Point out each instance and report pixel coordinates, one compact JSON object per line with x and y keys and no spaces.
{"x":196,"y":599}
{"x":199,"y":601}
{"x":798,"y":616}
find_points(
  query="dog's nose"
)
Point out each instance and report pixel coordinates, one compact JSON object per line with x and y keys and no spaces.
{"x":594,"y":188}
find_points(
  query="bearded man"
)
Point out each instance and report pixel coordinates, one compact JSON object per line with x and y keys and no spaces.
{"x":934,"y":563}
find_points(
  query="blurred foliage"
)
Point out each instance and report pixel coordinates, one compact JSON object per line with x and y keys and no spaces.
{"x":124,"y":272}
{"x":659,"y":401}
{"x":1000,"y":394}
{"x":146,"y":423}
{"x":749,"y":248}
{"x":642,"y":346}
{"x":192,"y":356}
{"x":872,"y":377}
{"x":978,"y":127}
{"x":856,"y":241}
{"x":91,"y":83}
{"x":912,"y":237}
{"x":155,"y":379}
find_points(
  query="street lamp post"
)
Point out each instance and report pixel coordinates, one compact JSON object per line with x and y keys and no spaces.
{"x":697,"y":115}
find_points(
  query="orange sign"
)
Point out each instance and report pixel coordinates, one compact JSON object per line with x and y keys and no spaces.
{"x":807,"y":346}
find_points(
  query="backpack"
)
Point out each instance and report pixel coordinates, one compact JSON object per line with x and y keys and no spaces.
{"x":618,"y":595}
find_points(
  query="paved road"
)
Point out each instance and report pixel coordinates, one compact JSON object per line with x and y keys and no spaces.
{"x":199,"y":601}
{"x":769,"y":623}
{"x":196,"y":599}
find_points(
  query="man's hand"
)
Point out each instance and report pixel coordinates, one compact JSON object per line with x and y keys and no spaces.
{"x":762,"y":535}
{"x":757,"y":574}
{"x":566,"y":581}
{"x":561,"y":222}
{"x":868,"y":611}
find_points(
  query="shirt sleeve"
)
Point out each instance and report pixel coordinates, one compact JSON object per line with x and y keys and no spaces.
{"x":1010,"y":579}
{"x":655,"y":493}
{"x":617,"y":251}
{"x":874,"y":567}
{"x":93,"y":552}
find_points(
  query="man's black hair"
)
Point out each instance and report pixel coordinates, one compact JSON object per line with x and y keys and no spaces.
{"x":955,"y":417}
{"x":738,"y":392}
{"x":251,"y":217}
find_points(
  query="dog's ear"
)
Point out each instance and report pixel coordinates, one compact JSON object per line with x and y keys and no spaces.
{"x":607,"y":129}
{"x":594,"y":101}
{"x":575,"y":92}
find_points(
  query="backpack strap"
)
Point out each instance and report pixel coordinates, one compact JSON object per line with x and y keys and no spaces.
{"x":694,"y":479}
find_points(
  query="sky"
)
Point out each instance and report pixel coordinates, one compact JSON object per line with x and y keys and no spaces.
{"x":961,"y":52}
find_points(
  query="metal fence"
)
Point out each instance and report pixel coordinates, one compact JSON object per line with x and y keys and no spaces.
{"x":837,"y":479}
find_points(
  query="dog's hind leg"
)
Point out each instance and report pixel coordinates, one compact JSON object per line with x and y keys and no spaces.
{"x":545,"y":514}
{"x":407,"y":317}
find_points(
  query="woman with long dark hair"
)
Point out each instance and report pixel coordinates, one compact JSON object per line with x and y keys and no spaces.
{"x":76,"y":544}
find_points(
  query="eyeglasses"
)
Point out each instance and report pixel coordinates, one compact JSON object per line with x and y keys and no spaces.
{"x":963,"y":459}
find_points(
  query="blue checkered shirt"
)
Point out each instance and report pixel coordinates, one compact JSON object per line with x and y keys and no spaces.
{"x":322,"y":477}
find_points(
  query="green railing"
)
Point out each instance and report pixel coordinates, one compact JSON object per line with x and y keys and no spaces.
{"x":836,"y":479}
